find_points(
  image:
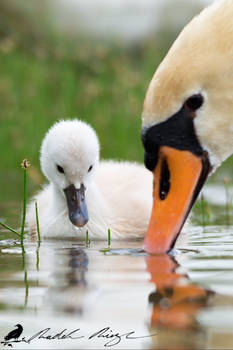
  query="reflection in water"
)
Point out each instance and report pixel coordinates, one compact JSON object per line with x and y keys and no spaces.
{"x":38,"y":256}
{"x":26,"y":288}
{"x":25,"y":275}
{"x":65,"y":285}
{"x":78,"y":264}
{"x":175,"y":302}
{"x":70,"y":287}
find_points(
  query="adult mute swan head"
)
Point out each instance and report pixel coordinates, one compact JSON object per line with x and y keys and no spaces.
{"x":69,"y":156}
{"x":187,"y":120}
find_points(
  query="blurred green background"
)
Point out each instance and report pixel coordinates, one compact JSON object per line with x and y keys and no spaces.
{"x":49,"y":72}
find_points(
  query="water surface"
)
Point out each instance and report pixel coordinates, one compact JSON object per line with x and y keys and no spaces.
{"x":183,"y":300}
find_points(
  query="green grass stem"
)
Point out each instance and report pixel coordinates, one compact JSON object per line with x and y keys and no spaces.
{"x":24,"y":201}
{"x":25,"y":164}
{"x":228,"y":201}
{"x":10,"y":229}
{"x":37,"y":223}
{"x":38,"y":237}
{"x":203,"y":210}
{"x":87,"y":239}
{"x":109,"y":237}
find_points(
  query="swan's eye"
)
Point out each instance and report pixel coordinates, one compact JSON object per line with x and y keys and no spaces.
{"x":90,"y":168}
{"x":60,"y":169}
{"x":194,"y":102}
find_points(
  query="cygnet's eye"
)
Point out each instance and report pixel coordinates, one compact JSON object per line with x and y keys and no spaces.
{"x":60,"y":169}
{"x":194,"y":102}
{"x":90,"y":168}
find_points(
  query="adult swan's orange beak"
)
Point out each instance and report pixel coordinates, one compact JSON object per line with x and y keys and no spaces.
{"x":180,"y":168}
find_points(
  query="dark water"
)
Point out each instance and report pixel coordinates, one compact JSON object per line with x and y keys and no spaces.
{"x":183,"y":300}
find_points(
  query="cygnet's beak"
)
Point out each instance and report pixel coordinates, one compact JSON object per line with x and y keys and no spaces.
{"x":76,"y":205}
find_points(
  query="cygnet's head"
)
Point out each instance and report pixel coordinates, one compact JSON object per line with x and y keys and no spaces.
{"x":69,"y":156}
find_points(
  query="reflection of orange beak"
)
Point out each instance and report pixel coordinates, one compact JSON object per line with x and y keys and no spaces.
{"x":178,"y":178}
{"x":176,"y":301}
